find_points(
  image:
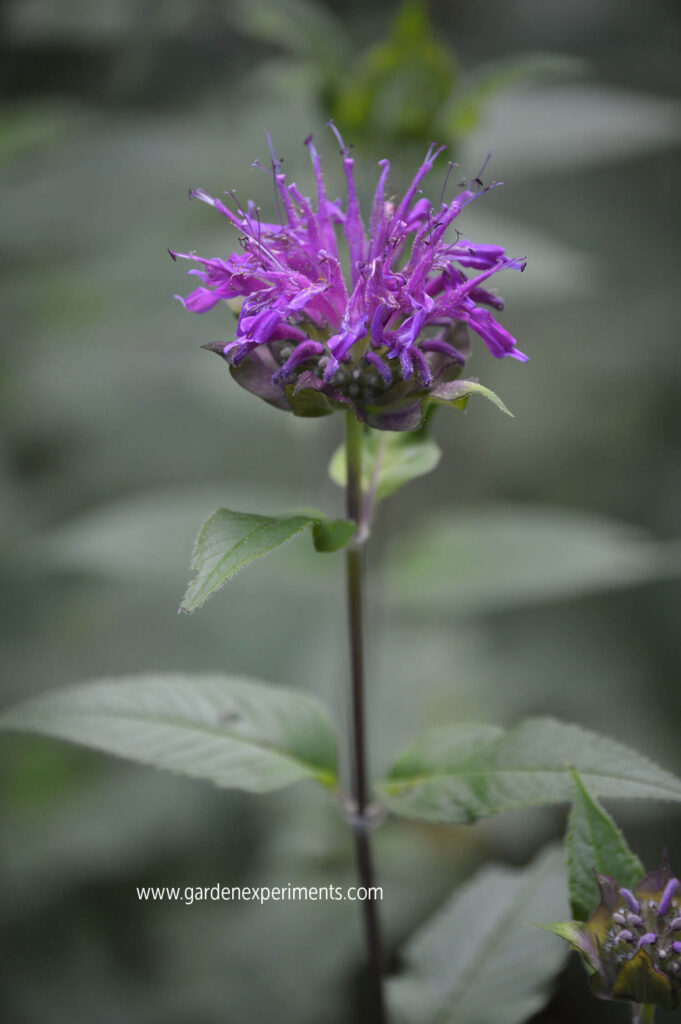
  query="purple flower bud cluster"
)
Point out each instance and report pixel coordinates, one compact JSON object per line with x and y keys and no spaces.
{"x":644,"y":923}
{"x":377,"y":340}
{"x":632,"y":942}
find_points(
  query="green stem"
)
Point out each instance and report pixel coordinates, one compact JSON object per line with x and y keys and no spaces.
{"x":643,"y":1014}
{"x":361,"y":824}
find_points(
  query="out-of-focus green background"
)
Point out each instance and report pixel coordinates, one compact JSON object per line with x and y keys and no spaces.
{"x":534,"y":572}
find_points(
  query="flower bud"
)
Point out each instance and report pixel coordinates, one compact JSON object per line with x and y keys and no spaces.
{"x":640,"y":962}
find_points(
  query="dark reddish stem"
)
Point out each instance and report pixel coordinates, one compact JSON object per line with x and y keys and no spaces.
{"x":360,"y":819}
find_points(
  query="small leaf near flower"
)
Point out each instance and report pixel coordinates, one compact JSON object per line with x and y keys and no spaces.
{"x":457,"y":393}
{"x":595,"y":843}
{"x":389,"y":461}
{"x":229,"y":540}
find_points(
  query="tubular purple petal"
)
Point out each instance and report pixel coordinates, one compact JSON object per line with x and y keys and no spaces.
{"x":497,"y":338}
{"x":300,"y":354}
{"x":200,"y":300}
{"x":375,"y":360}
{"x":481,"y":257}
{"x":406,"y":363}
{"x":422,"y":366}
{"x":353,"y":227}
{"x":443,"y":347}
{"x":323,"y":214}
{"x":487,"y":298}
{"x":416,"y":181}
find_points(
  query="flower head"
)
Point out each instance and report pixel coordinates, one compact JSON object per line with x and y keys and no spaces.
{"x":632,"y":942}
{"x":381,"y":340}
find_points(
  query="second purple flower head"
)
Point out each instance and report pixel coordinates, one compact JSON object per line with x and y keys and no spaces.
{"x":384,"y":340}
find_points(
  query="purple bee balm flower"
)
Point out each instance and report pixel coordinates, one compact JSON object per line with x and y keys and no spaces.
{"x":641,"y":963}
{"x":382,"y":340}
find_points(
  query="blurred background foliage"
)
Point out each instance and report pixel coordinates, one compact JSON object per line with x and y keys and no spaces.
{"x":534,"y":572}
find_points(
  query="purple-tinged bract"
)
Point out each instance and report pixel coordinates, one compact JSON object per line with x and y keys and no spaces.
{"x":382,"y":341}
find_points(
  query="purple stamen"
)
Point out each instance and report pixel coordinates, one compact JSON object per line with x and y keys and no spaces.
{"x":649,"y":939}
{"x":676,"y":946}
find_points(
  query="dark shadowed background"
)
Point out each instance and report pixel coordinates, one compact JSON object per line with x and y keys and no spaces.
{"x":534,"y":572}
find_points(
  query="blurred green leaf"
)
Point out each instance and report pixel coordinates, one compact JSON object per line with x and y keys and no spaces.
{"x":467,"y":103}
{"x":595,"y":843}
{"x":233,"y":732}
{"x":397,"y":86}
{"x":141,"y":536}
{"x":460,"y":773}
{"x":229,"y":540}
{"x":475,"y":961}
{"x":572,"y":127}
{"x":480,"y":559}
{"x":389,"y":460}
{"x":306,"y":29}
{"x":28,"y":127}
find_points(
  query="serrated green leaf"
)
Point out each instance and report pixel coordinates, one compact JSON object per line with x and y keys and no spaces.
{"x":389,"y":460}
{"x":460,"y":773}
{"x":594,"y":842}
{"x":467,"y":104}
{"x":476,"y":961}
{"x":229,"y":540}
{"x":231,"y":731}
